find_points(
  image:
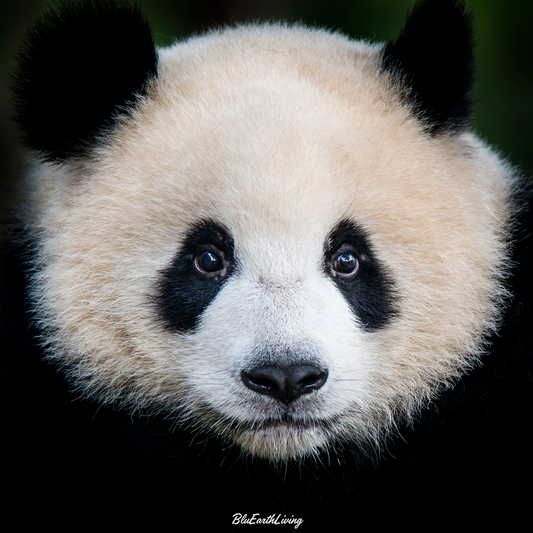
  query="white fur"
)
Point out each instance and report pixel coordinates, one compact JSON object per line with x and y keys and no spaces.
{"x":277,"y":133}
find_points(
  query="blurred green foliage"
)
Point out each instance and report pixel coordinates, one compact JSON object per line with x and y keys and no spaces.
{"x":504,"y":53}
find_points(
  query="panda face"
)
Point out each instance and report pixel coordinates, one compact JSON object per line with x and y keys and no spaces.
{"x":270,"y":246}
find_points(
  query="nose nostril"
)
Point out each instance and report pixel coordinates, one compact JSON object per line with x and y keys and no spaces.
{"x":259,"y":384}
{"x":286,"y":383}
{"x":264,"y":380}
{"x":314,"y":382}
{"x":265,"y":383}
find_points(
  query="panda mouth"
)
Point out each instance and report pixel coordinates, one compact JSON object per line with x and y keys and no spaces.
{"x":280,"y":423}
{"x":288,"y":422}
{"x":282,"y":438}
{"x":272,"y":435}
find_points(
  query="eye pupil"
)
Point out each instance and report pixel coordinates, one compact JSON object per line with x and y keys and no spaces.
{"x":347,"y":263}
{"x":209,"y":262}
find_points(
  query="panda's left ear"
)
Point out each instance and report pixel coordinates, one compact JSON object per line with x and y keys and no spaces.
{"x":82,"y":65}
{"x":433,"y":56}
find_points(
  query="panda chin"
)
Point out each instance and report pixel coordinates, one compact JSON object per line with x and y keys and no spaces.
{"x":282,"y":440}
{"x":278,"y":439}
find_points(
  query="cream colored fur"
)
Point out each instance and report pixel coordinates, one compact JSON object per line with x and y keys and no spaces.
{"x":277,"y":133}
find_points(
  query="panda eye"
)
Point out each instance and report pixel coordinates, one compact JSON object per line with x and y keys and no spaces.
{"x":210,"y":262}
{"x":345,"y":264}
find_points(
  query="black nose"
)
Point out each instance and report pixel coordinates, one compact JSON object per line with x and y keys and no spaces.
{"x":286,"y":383}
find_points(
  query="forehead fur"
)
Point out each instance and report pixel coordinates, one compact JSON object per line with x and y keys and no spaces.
{"x":278,"y":134}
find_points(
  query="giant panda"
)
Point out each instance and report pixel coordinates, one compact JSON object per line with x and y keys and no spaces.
{"x":265,"y":276}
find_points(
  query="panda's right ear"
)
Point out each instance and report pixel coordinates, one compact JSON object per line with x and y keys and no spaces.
{"x":82,"y":65}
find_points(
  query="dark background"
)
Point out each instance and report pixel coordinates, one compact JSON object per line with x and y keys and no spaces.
{"x":504,"y":85}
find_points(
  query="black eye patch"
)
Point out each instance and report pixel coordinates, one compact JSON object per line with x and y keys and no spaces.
{"x":185,"y":288}
{"x":369,"y":288}
{"x":189,"y":284}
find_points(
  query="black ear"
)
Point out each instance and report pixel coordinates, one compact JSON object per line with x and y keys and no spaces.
{"x":434,"y":57}
{"x":82,"y":64}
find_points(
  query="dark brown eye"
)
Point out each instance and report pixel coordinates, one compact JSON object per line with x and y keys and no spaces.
{"x":209,"y":261}
{"x":346,"y":264}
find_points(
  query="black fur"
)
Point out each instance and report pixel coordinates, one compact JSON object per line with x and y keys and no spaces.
{"x":183,"y":293}
{"x":81,"y":66}
{"x":370,"y":293}
{"x":434,"y":57}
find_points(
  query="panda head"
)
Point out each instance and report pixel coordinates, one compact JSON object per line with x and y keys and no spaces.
{"x":272,"y":234}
